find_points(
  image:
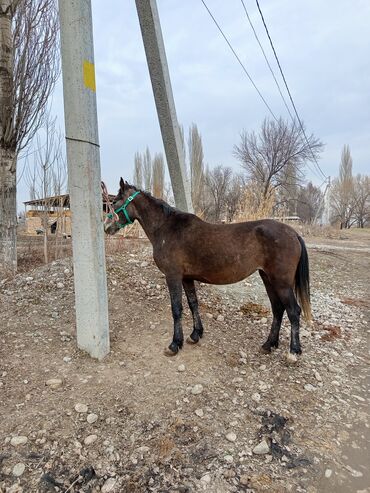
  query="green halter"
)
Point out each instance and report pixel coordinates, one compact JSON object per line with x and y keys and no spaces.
{"x":123,"y":209}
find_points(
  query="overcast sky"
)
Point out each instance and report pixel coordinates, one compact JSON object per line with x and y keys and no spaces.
{"x":323,"y":48}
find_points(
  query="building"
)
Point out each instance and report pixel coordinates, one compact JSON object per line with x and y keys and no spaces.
{"x":54,"y":211}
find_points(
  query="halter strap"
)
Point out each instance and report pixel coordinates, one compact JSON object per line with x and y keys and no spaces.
{"x":123,"y":209}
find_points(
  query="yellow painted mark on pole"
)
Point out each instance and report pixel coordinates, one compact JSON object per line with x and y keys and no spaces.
{"x":89,"y":75}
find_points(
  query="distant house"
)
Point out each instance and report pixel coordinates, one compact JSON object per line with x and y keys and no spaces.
{"x":289,"y":219}
{"x":58,"y":213}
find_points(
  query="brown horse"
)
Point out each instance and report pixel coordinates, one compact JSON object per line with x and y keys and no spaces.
{"x":186,"y":249}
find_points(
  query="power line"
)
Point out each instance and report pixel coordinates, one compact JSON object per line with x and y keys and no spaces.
{"x":256,"y":88}
{"x":287,"y":88}
{"x":237,"y":57}
{"x":268,"y":63}
{"x":276,"y":81}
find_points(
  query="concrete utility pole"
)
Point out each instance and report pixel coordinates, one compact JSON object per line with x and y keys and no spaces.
{"x":161,"y":84}
{"x":84,"y":176}
{"x":327,"y":205}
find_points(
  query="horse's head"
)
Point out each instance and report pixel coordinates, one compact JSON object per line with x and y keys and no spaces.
{"x":123,"y":212}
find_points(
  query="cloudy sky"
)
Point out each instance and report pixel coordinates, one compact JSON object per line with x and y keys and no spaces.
{"x":323,"y":48}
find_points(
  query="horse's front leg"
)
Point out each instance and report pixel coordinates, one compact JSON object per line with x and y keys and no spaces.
{"x":175,"y":289}
{"x":191,"y":296}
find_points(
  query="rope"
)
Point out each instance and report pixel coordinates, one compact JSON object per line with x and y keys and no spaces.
{"x":109,"y":205}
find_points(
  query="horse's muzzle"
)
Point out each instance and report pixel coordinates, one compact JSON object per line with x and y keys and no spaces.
{"x":110,"y":227}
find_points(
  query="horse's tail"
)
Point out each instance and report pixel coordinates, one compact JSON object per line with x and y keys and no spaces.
{"x":302,"y":282}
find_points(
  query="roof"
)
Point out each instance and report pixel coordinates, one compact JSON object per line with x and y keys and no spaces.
{"x":55,"y":201}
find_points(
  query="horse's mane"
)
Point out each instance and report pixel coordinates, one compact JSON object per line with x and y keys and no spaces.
{"x":167,"y":209}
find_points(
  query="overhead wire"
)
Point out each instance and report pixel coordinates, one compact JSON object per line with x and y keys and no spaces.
{"x":275,"y":79}
{"x":239,"y":60}
{"x":255,"y":86}
{"x":287,"y":88}
{"x":266,"y":59}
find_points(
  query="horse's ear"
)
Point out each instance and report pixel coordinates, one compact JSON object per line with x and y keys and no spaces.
{"x":122,"y":184}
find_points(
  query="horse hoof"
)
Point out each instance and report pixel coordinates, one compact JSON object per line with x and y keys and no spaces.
{"x":292,"y":358}
{"x":168,"y":352}
{"x":189,"y":340}
{"x":265,"y":349}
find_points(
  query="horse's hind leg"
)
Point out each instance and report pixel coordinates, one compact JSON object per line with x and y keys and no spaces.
{"x":191,"y":296}
{"x":278,"y":312}
{"x":287,"y":297}
{"x":175,"y":289}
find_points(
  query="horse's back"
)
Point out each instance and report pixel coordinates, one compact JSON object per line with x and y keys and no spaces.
{"x":225,"y":253}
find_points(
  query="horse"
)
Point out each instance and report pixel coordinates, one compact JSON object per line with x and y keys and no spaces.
{"x":188,"y":249}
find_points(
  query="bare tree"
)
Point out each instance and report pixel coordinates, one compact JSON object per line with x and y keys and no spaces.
{"x":138,"y":170}
{"x":310,"y":203}
{"x":218,"y":181}
{"x":46,"y":176}
{"x":29,"y":68}
{"x":234,"y":196}
{"x":287,"y":192}
{"x":362,"y":200}
{"x":158,"y":176}
{"x":280,"y":148}
{"x":168,"y":194}
{"x":196,"y":168}
{"x":147,"y":170}
{"x":342,"y":191}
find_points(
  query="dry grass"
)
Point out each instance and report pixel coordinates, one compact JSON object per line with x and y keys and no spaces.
{"x":115,"y":244}
{"x":363,"y":303}
{"x":31,"y":253}
{"x":333,"y":332}
{"x":252,"y":309}
{"x":316,"y":230}
{"x":254,"y":205}
{"x":165,"y":446}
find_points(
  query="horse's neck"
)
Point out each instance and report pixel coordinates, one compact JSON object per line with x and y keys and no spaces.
{"x":151,"y":216}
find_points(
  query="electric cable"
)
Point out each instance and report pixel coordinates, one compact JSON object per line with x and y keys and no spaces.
{"x":287,"y":88}
{"x":239,"y":60}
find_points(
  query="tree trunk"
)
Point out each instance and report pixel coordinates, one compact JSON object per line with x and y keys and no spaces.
{"x":8,"y":212}
{"x":46,"y":257}
{"x":45,"y":213}
{"x":8,"y":182}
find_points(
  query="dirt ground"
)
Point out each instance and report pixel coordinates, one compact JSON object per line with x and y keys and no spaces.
{"x":218,"y":417}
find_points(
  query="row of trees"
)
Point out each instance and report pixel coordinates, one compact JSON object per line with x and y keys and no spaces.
{"x":271,"y":182}
{"x":213,"y":191}
{"x":149,"y":173}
